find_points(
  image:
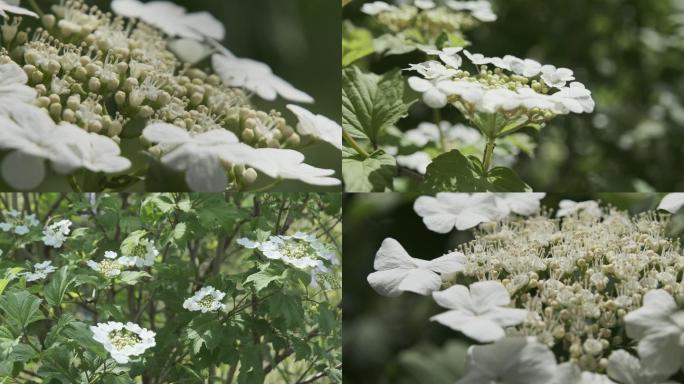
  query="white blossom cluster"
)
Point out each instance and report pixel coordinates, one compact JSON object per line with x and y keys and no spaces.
{"x":503,"y":94}
{"x":109,"y":267}
{"x":55,"y":234}
{"x":123,"y":340}
{"x":432,"y":18}
{"x":590,"y":296}
{"x":40,"y":271}
{"x":301,"y":250}
{"x":143,"y":254}
{"x":207,"y":299}
{"x":18,"y":223}
{"x":73,"y":92}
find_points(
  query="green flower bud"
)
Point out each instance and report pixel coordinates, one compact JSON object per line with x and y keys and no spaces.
{"x":293,"y":140}
{"x":249,"y":176}
{"x":145,"y":112}
{"x":94,"y":84}
{"x":69,"y":116}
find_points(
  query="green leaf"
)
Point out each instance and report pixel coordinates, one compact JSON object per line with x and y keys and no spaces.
{"x":263,"y":278}
{"x":394,"y":44}
{"x":251,"y":369}
{"x":288,"y":307}
{"x":64,"y":321}
{"x":161,"y":201}
{"x":327,"y":320}
{"x":22,"y":352}
{"x":371,"y":103}
{"x":80,"y":333}
{"x":56,"y":364}
{"x":9,"y":276}
{"x":357,"y":43}
{"x":132,"y":277}
{"x":430,"y":364}
{"x":453,"y":172}
{"x":21,"y":308}
{"x":57,"y":287}
{"x":373,"y":174}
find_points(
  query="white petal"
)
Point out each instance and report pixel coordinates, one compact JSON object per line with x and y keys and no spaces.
{"x":450,"y":263}
{"x":672,"y":202}
{"x":506,"y":317}
{"x":434,"y":98}
{"x":392,"y":255}
{"x":206,"y":24}
{"x":476,"y":328}
{"x":23,"y":172}
{"x":491,"y":293}
{"x":623,"y":367}
{"x":454,"y":297}
{"x":421,"y":281}
{"x":387,"y":282}
{"x":661,"y":351}
{"x":206,"y":174}
{"x":419,"y":85}
{"x":164,"y":133}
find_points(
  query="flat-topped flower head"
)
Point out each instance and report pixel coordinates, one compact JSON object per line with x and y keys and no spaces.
{"x":109,"y":267}
{"x":41,"y":271}
{"x":143,"y":254}
{"x":123,"y":341}
{"x":301,"y":250}
{"x":207,"y":299}
{"x":55,"y":234}
{"x":398,"y":272}
{"x":480,"y":311}
{"x":18,"y":223}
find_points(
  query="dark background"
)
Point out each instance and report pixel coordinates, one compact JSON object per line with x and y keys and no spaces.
{"x":391,"y":340}
{"x":635,"y":139}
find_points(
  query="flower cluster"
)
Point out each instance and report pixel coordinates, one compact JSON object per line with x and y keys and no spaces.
{"x":301,"y":250}
{"x":503,"y":94}
{"x":18,"y":223}
{"x":143,"y":254}
{"x":55,"y":234}
{"x":123,"y":340}
{"x":109,"y":267}
{"x":41,"y":271}
{"x":79,"y":90}
{"x":560,"y":298}
{"x":207,"y":299}
{"x":431,"y":18}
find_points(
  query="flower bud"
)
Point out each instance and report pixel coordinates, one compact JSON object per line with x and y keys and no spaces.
{"x":145,"y":112}
{"x":94,"y":84}
{"x":136,"y":98}
{"x":249,"y":176}
{"x":293,"y":140}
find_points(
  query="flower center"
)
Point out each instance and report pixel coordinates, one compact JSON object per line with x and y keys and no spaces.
{"x":207,"y":301}
{"x":296,"y":249}
{"x":140,"y":250}
{"x":108,"y":266}
{"x":124,"y":338}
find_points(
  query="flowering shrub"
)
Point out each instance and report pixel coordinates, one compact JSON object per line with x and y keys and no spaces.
{"x":500,"y":98}
{"x":113,"y":100}
{"x":585,"y":294}
{"x":158,"y":289}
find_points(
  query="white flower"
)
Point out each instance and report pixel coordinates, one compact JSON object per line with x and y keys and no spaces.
{"x":109,"y":267}
{"x":200,"y":156}
{"x":41,"y":270}
{"x":207,"y":299}
{"x":417,"y":161}
{"x":569,"y":208}
{"x":55,"y":234}
{"x":12,"y":6}
{"x":289,"y":164}
{"x":317,"y":126}
{"x":556,"y":77}
{"x":247,"y":243}
{"x":377,"y":7}
{"x":123,"y":340}
{"x":13,"y":88}
{"x":190,"y":50}
{"x":469,"y":91}
{"x":524,"y":67}
{"x":144,"y":254}
{"x":462,"y":211}
{"x":433,"y":96}
{"x":524,"y":204}
{"x":575,"y":98}
{"x":481,"y":9}
{"x":96,"y":152}
{"x":570,"y":373}
{"x":659,"y":327}
{"x":477,"y":58}
{"x":627,"y":369}
{"x":256,"y":77}
{"x":172,"y":19}
{"x":672,"y":202}
{"x":480,"y":313}
{"x":427,"y":133}
{"x":18,"y":223}
{"x":515,"y":360}
{"x":398,"y":272}
{"x":448,"y":55}
{"x":301,"y":250}
{"x":424,"y":4}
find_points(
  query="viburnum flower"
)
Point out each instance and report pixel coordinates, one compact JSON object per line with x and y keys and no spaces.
{"x":19,"y":223}
{"x":207,"y":299}
{"x":318,"y":126}
{"x":109,"y":267}
{"x":658,"y":326}
{"x":515,"y":360}
{"x":624,"y":368}
{"x":172,"y":18}
{"x":12,"y":6}
{"x":377,"y":7}
{"x":427,"y":133}
{"x":301,"y":250}
{"x":568,"y":207}
{"x":480,"y":9}
{"x":255,"y":76}
{"x":144,"y":254}
{"x":41,"y":271}
{"x":480,"y":311}
{"x":462,"y":211}
{"x":449,"y":56}
{"x":398,"y":272}
{"x":13,"y":88}
{"x":123,"y":341}
{"x":417,"y":161}
{"x":55,"y":234}
{"x":672,"y":202}
{"x":524,"y":204}
{"x":289,"y":164}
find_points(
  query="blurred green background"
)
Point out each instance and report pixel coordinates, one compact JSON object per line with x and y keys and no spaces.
{"x":300,"y":40}
{"x":391,"y":340}
{"x":630,"y":53}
